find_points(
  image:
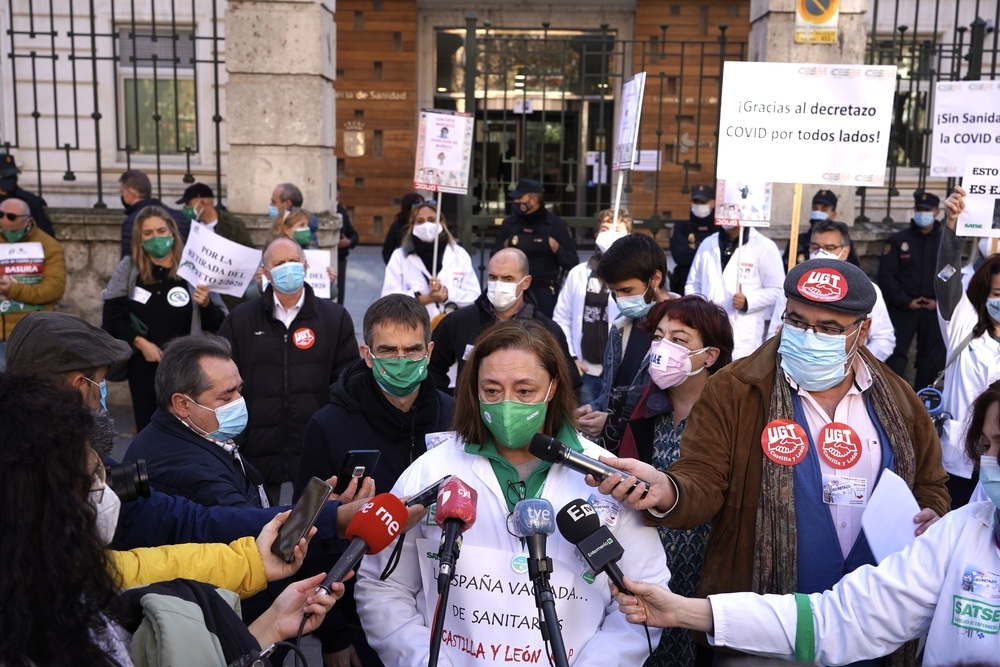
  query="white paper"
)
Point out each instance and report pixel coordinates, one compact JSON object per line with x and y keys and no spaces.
{"x":209,"y":259}
{"x":628,"y":122}
{"x":888,"y":520}
{"x":981,"y":180}
{"x":966,"y":119}
{"x":742,"y":202}
{"x":796,"y":123}
{"x":444,"y":150}
{"x":316,"y":276}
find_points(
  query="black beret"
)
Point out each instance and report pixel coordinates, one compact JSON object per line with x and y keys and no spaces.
{"x":831,"y":283}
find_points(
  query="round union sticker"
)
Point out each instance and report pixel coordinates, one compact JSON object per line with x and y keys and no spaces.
{"x":784,"y":442}
{"x":839,"y":445}
{"x":823,"y":285}
{"x":178,"y":297}
{"x":303,"y":338}
{"x":519,"y":564}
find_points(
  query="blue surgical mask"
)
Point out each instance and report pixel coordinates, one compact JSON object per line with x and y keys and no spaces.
{"x":924,"y":219}
{"x":232,"y":418}
{"x":993,"y":309}
{"x":272,"y":212}
{"x":818,"y":215}
{"x":634,"y":306}
{"x":989,"y":477}
{"x":287,"y":278}
{"x":104,"y":392}
{"x":815,"y":361}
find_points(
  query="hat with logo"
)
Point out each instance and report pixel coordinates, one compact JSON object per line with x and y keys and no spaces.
{"x":925,"y":201}
{"x":525,"y":186}
{"x":826,"y":197}
{"x":702,"y":193}
{"x":8,"y":167}
{"x":196,"y":190}
{"x":833,"y":284}
{"x":60,"y":343}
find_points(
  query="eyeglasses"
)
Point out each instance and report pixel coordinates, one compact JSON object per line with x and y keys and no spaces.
{"x":412,"y":355}
{"x":14,"y":216}
{"x":813,"y":247}
{"x":826,"y":329}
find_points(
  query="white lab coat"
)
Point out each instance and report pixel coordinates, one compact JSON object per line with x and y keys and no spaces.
{"x":975,"y":369}
{"x":881,"y":339}
{"x":568,"y":313}
{"x":397,"y":620}
{"x":760,"y":275}
{"x":406,"y":274}
{"x":945,"y":581}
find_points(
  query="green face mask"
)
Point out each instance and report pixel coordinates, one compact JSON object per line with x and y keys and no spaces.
{"x":512,"y":423}
{"x":302,"y":236}
{"x":399,"y":377}
{"x":158,"y":247}
{"x":15,"y":237}
{"x":189,"y":212}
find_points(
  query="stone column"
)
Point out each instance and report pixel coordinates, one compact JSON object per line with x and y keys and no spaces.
{"x":280,"y":102}
{"x":772,"y":39}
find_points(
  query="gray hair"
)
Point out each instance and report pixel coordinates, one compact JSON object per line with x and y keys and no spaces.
{"x":180,"y":370}
{"x":291,"y":193}
{"x":398,"y":309}
{"x":134,"y":179}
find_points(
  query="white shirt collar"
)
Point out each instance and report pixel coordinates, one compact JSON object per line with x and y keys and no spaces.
{"x":286,"y":317}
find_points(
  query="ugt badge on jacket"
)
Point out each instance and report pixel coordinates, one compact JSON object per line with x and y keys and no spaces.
{"x":784,"y":442}
{"x":304,"y":338}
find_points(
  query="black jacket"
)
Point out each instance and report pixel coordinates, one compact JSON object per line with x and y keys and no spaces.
{"x":907,"y":268}
{"x":346,"y":232}
{"x":695,"y":230}
{"x":183,"y":224}
{"x":455,"y":334}
{"x":36,"y":204}
{"x":530,"y":234}
{"x":286,"y":374}
{"x":182,"y":463}
{"x":393,"y":239}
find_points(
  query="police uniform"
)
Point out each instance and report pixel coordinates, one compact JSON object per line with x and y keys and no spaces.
{"x":802,"y":251}
{"x":687,"y":236}
{"x":37,"y":205}
{"x":907,"y":272}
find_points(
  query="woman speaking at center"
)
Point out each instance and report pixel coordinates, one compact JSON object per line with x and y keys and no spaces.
{"x":514,"y":385}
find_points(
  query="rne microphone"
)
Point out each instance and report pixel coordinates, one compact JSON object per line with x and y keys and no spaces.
{"x":372,"y":528}
{"x":454,"y":513}
{"x":549,"y":449}
{"x":579,"y":524}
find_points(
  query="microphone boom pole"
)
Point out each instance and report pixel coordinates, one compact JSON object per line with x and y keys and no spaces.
{"x":539,"y":569}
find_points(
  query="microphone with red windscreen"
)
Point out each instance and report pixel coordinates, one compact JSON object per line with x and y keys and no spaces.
{"x":455,"y":513}
{"x":371,"y":529}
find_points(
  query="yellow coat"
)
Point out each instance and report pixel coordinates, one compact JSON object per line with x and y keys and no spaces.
{"x":44,"y":293}
{"x":236,"y":566}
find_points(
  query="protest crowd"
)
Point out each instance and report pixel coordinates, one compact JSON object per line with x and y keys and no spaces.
{"x":615,"y":461}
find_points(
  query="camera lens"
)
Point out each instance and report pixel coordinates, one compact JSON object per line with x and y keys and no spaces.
{"x":129,"y":480}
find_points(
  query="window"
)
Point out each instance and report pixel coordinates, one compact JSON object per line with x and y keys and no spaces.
{"x":359,"y":183}
{"x":377,"y":149}
{"x":397,"y":41}
{"x":341,"y":167}
{"x":377,"y":71}
{"x":377,"y":5}
{"x":157,"y":94}
{"x":359,"y":114}
{"x":703,"y":20}
{"x":359,"y":21}
{"x":378,"y":223}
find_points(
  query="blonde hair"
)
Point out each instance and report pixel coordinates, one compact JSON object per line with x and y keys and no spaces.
{"x":437,"y":213}
{"x":139,"y":256}
{"x":286,"y":220}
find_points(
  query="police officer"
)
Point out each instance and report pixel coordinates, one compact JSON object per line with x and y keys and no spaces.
{"x":542,"y":236}
{"x":824,"y":207}
{"x":10,"y":189}
{"x":906,"y":276}
{"x":687,"y":236}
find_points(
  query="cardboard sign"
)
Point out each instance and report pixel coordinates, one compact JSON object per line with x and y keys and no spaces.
{"x":816,"y":21}
{"x":742,"y":202}
{"x":316,"y":276}
{"x":981,"y":216}
{"x":25,"y":262}
{"x":628,"y":122}
{"x":966,"y":119}
{"x":223,"y":266}
{"x":795,"y":123}
{"x":444,"y":149}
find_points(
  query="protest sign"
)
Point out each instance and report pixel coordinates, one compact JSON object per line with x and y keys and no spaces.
{"x":739,"y":202}
{"x":444,"y":149}
{"x":792,"y":123}
{"x":981,"y":181}
{"x":216,"y":262}
{"x":628,"y":122}
{"x":966,"y":117}
{"x":816,"y":21}
{"x":25,"y":263}
{"x":316,"y":275}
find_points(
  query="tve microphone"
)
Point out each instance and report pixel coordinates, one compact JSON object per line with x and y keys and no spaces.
{"x":580,"y":525}
{"x":371,"y":529}
{"x":549,"y":449}
{"x":533,"y":519}
{"x":455,"y":513}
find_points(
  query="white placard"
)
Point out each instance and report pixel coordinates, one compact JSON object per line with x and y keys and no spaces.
{"x":793,"y":123}
{"x":24,"y":263}
{"x":628,"y":122}
{"x":981,"y":181}
{"x":524,"y":106}
{"x":209,"y":259}
{"x":647,"y":161}
{"x":966,"y":118}
{"x":599,"y":167}
{"x":741,"y":202}
{"x":316,"y":276}
{"x":444,"y":149}
{"x":888,"y":519}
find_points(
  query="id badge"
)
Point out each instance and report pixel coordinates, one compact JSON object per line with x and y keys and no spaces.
{"x":845,"y":491}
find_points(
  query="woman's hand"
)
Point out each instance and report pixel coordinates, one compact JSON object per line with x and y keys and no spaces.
{"x":658,"y":607}
{"x":201,"y":295}
{"x":150,"y":351}
{"x":438,"y":293}
{"x":953,"y":206}
{"x":626,"y":488}
{"x":591,"y":423}
{"x":274,"y":567}
{"x":282,"y":618}
{"x":331,"y":274}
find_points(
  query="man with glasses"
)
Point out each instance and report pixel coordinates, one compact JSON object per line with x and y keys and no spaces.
{"x":32,"y":268}
{"x":785,"y":447}
{"x":289,"y":347}
{"x":385,"y":401}
{"x":831,"y":239}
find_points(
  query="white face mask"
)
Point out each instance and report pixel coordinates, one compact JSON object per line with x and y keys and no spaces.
{"x":502,"y":295}
{"x":701,"y":210}
{"x":108,"y":505}
{"x":984,"y":246}
{"x":607,"y":238}
{"x":427,"y":231}
{"x":823,"y":254}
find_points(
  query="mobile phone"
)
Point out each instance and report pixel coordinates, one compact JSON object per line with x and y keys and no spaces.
{"x":360,"y":463}
{"x":303,"y":517}
{"x":428,"y":496}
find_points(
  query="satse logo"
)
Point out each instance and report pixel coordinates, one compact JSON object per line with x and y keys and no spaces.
{"x":823,"y":285}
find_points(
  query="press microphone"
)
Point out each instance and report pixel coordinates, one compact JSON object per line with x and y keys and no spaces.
{"x":371,"y":529}
{"x":579,"y":524}
{"x":549,"y":449}
{"x":533,"y":520}
{"x":454,"y":513}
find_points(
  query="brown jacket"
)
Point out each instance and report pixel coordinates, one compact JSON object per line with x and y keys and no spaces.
{"x":718,"y":474}
{"x":43,"y":293}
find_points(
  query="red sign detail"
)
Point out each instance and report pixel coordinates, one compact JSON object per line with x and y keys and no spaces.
{"x":784,"y":442}
{"x":839,"y":445}
{"x":303,"y":338}
{"x":824,"y":285}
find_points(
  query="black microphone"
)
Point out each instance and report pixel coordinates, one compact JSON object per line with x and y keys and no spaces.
{"x":549,"y":449}
{"x":579,"y":524}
